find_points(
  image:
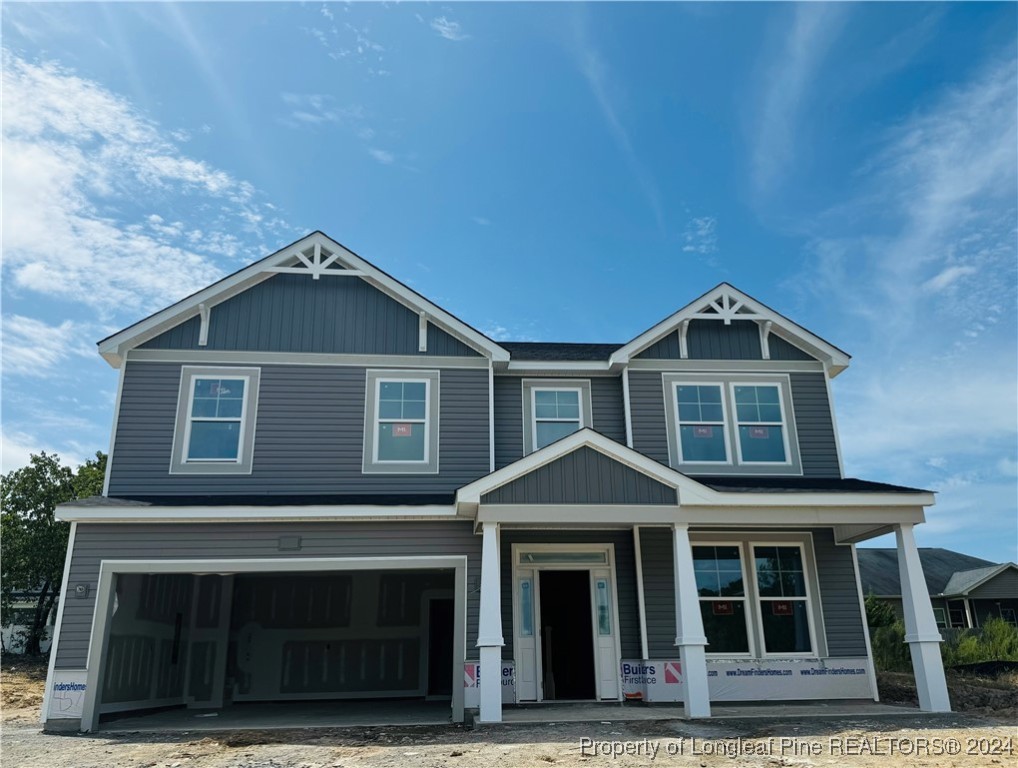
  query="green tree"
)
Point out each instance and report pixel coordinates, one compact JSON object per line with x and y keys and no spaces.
{"x":33,"y":542}
{"x":879,"y":613}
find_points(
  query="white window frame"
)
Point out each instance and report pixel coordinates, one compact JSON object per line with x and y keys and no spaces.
{"x":180,"y":461}
{"x":533,"y":410}
{"x":808,"y":598}
{"x":784,"y":423}
{"x":746,"y":598}
{"x":529,"y":409}
{"x":191,"y":418}
{"x":672,"y":380}
{"x":940,"y":616}
{"x":378,"y":420}
{"x":724,"y":420}
{"x":373,"y":380}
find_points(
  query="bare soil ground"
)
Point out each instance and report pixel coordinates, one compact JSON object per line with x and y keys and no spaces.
{"x":988,"y":737}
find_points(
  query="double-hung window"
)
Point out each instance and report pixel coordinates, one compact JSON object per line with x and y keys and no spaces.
{"x":401,"y":424}
{"x":761,"y":424}
{"x":721,"y":585}
{"x":702,"y":434}
{"x":783,"y":599}
{"x":730,"y":423}
{"x":553,"y":409}
{"x":214,"y":431}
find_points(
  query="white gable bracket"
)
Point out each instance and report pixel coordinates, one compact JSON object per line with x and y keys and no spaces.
{"x":205,"y":312}
{"x":422,"y":333}
{"x":683,"y":343}
{"x":765,"y":343}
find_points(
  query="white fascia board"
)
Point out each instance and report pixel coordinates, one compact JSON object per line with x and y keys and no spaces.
{"x":794,"y":515}
{"x":836,"y":359}
{"x":471,"y":494}
{"x":246,"y":513}
{"x":112,"y":348}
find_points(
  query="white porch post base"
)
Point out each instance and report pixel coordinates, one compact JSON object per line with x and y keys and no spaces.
{"x":694,"y":673}
{"x":930,"y":683}
{"x":490,"y":640}
{"x":490,"y":684}
{"x":921,"y":631}
{"x":690,"y":636}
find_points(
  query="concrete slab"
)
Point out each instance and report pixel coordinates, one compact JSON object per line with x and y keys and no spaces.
{"x":286,"y":714}
{"x":632,"y":711}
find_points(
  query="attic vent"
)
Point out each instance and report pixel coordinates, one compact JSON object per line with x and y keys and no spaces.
{"x":315,"y":261}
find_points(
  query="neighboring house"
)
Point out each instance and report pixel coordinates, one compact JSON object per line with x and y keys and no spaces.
{"x":965,"y":590}
{"x":321,"y":485}
{"x":22,"y":616}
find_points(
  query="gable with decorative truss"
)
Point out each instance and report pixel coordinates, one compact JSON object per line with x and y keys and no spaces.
{"x":725,"y":323}
{"x":312,"y":296}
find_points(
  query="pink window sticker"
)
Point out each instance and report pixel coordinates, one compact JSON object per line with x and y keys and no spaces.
{"x":781,"y":608}
{"x":723,"y":608}
{"x":760,"y":433}
{"x":703,"y":432}
{"x":402,"y":430}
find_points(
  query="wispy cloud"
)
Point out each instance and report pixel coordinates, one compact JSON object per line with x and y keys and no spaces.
{"x":596,"y":72}
{"x":35,"y":348}
{"x":789,"y":79}
{"x":701,"y":236}
{"x":383,"y":156}
{"x":923,"y":258}
{"x":450,"y":30}
{"x":316,"y":109}
{"x":480,"y":221}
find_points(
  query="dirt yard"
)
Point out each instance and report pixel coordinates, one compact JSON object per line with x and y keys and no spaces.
{"x":986,"y":737}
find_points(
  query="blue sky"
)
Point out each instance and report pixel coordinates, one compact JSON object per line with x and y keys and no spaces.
{"x":546,"y":172}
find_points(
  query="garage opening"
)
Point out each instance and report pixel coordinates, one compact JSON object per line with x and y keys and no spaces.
{"x":375,"y":643}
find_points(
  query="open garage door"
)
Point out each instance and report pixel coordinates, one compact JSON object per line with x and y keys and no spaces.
{"x":241,"y":635}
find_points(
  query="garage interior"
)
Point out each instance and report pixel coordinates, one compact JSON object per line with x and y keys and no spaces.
{"x":324,"y":643}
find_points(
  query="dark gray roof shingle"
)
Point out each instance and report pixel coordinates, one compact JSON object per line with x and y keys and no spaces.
{"x":878,"y":568}
{"x":542,"y":350}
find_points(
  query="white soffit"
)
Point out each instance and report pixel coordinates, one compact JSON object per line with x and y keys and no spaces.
{"x":316,"y":255}
{"x":724,"y":304}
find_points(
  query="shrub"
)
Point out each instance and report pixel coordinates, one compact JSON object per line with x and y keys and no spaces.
{"x":890,"y":654}
{"x":878,"y":612}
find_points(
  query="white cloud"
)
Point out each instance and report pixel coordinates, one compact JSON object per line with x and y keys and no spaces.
{"x":383,"y":156}
{"x":34,"y":348}
{"x":16,"y":449}
{"x":77,"y":161}
{"x":480,"y":221}
{"x":948,"y":277}
{"x":701,"y":235}
{"x":813,"y":27}
{"x":450,"y":30}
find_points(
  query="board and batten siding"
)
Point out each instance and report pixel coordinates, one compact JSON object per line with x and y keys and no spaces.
{"x":625,"y":579}
{"x":607,"y":413}
{"x":293,"y":313}
{"x":94,"y":542}
{"x":309,"y":435}
{"x":1003,"y":586}
{"x":818,"y":448}
{"x":584,"y":476}
{"x":713,"y":340}
{"x":839,"y":596}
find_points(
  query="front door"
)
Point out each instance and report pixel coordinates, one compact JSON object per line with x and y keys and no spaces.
{"x":565,"y":620}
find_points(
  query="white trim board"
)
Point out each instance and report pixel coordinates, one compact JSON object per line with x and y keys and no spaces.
{"x":141,"y":513}
{"x":113,"y":347}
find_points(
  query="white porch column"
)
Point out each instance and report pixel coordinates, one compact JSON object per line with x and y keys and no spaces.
{"x":690,"y":637}
{"x":921,"y":631}
{"x":489,"y":632}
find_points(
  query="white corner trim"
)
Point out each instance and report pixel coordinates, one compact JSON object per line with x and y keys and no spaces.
{"x":113,"y":429}
{"x":55,"y":642}
{"x":870,"y":666}
{"x":247,"y":513}
{"x":627,"y":407}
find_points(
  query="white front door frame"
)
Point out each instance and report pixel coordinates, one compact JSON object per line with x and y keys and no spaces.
{"x":590,"y":568}
{"x":99,"y":638}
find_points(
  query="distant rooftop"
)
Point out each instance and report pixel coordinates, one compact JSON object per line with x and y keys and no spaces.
{"x":546,"y":350}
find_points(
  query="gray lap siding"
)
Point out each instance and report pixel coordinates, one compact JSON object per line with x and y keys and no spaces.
{"x":218,"y":541}
{"x":309,"y":435}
